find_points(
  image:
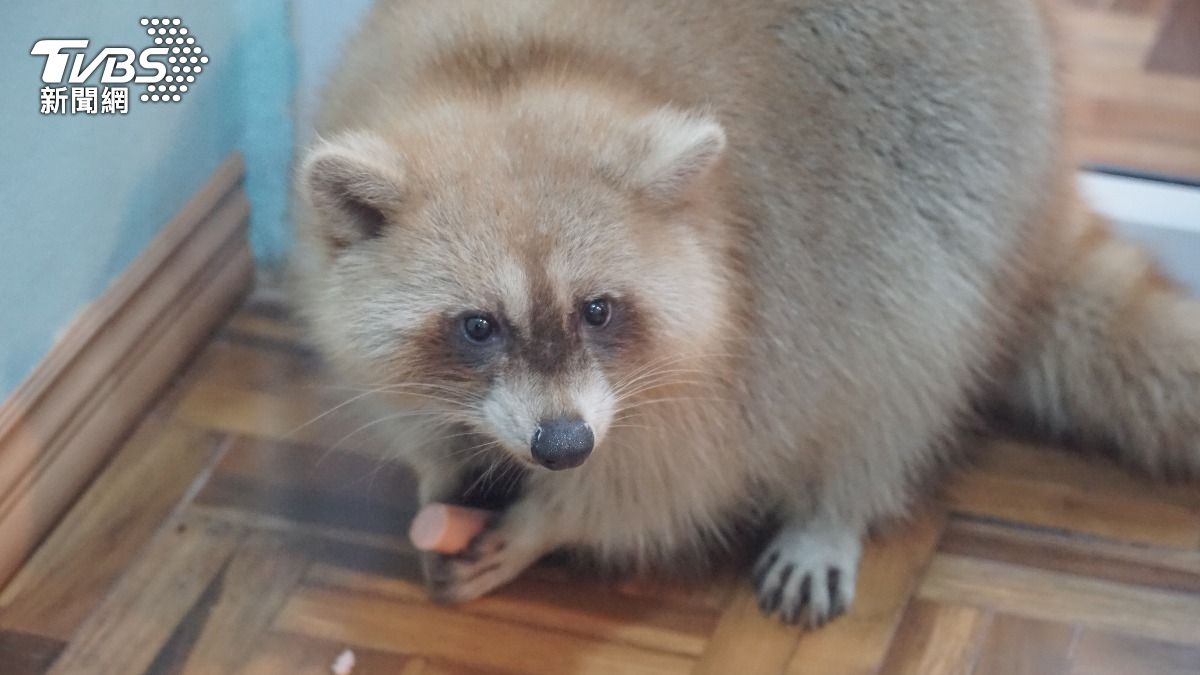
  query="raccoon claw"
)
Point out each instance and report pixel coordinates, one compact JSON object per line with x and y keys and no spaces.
{"x":807,"y":576}
{"x":482,"y":546}
{"x":467,"y":575}
{"x":492,"y":559}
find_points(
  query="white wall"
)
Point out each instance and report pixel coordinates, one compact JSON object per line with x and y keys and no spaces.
{"x":1162,"y":216}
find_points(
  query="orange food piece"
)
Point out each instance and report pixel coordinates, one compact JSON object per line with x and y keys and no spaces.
{"x":445,"y":528}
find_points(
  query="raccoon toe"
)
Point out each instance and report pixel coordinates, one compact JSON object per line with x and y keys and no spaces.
{"x":493,"y":558}
{"x":480,"y":568}
{"x":807,"y":577}
{"x":820,"y":599}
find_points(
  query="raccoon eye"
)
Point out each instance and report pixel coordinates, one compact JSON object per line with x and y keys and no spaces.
{"x":596,"y":312}
{"x":478,"y":328}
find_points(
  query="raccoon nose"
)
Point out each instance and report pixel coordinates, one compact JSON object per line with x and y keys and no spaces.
{"x":562,"y":443}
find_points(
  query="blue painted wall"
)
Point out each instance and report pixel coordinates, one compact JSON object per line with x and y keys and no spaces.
{"x":321,"y":30}
{"x":81,"y":196}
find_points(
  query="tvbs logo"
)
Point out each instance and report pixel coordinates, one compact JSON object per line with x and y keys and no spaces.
{"x":167,"y":69}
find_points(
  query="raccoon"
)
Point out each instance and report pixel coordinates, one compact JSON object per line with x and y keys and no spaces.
{"x":686,"y":264}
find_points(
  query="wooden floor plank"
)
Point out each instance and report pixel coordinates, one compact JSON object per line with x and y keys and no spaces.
{"x":26,"y":653}
{"x":936,"y":639}
{"x":99,"y":538}
{"x":1177,"y":45}
{"x":244,"y":410}
{"x":745,"y":641}
{"x":1038,"y":594}
{"x":1130,"y":54}
{"x":313,"y":467}
{"x":891,"y":569}
{"x":313,"y":485}
{"x":282,"y":653}
{"x":392,"y":544}
{"x":125,"y":633}
{"x":1100,"y":653}
{"x":580,"y":606}
{"x":1049,"y":488}
{"x":264,"y":568}
{"x":1018,"y":646}
{"x":422,"y":629}
{"x":1057,"y":551}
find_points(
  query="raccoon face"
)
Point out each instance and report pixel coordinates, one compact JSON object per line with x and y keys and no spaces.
{"x":522,"y":277}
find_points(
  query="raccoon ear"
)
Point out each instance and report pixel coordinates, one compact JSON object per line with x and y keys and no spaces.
{"x":356,"y":184}
{"x":680,"y":149}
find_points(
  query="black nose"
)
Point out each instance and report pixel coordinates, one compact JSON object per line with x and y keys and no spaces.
{"x":562,"y":443}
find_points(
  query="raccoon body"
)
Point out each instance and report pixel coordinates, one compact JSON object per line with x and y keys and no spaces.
{"x":689,"y":263}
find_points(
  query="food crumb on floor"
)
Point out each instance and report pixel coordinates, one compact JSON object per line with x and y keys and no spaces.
{"x":344,"y":664}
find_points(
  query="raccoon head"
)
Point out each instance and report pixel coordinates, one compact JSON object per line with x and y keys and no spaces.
{"x":523,"y":274}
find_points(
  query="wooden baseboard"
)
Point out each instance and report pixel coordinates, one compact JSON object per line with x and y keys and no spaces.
{"x":63,"y":422}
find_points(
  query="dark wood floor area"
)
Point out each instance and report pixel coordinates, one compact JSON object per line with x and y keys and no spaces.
{"x":229,"y":536}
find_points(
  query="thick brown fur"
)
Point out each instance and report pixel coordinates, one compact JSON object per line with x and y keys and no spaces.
{"x":824,"y":227}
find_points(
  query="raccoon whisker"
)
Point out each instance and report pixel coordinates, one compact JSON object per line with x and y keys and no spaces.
{"x":474,"y":484}
{"x":452,"y":391}
{"x":659,"y":378}
{"x":638,"y":418}
{"x":675,"y":358}
{"x":388,"y":383}
{"x":645,"y":387}
{"x":675,"y":365}
{"x":479,"y":451}
{"x":431,"y":397}
{"x":516,"y":476}
{"x":330,"y":411}
{"x":380,"y":463}
{"x":627,"y":403}
{"x":655,"y":367}
{"x":402,"y":387}
{"x":334,"y":448}
{"x":422,"y":389}
{"x":505,"y":470}
{"x":469,"y":404}
{"x":651,"y":366}
{"x":659,"y":373}
{"x":641,"y":392}
{"x":457,"y":451}
{"x":378,"y":390}
{"x":628,"y":425}
{"x":473,"y":451}
{"x":648,"y":365}
{"x":691,"y":356}
{"x":678,"y":399}
{"x":487,"y":473}
{"x":381,"y":420}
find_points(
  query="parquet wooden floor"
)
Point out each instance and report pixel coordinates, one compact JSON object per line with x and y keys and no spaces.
{"x":227,"y":536}
{"x":1134,"y":68}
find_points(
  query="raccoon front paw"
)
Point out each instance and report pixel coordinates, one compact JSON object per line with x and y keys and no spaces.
{"x":807,"y":574}
{"x":493,"y":558}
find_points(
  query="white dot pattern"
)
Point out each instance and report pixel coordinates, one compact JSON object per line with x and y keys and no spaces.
{"x":184,"y":62}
